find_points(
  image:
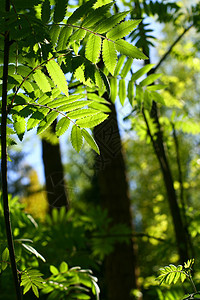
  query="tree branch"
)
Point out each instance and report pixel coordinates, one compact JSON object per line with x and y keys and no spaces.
{"x":170,"y":49}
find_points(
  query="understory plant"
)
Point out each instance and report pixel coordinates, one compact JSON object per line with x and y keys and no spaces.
{"x":172,"y":274}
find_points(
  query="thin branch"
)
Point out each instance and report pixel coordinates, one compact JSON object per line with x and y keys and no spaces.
{"x":182,"y":200}
{"x":170,"y":49}
{"x":180,"y":174}
{"x":137,"y":235}
{"x":86,"y":29}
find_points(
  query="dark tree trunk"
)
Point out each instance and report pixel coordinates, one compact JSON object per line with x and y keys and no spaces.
{"x":54,"y":175}
{"x":120,"y":265}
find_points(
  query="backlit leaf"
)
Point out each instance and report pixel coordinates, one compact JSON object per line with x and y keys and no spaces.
{"x":76,"y":138}
{"x":93,"y":48}
{"x":62,"y":126}
{"x":65,"y":33}
{"x":89,"y":122}
{"x":47,"y":121}
{"x":57,"y":76}
{"x":109,"y":55}
{"x":122,"y":91}
{"x":110,"y":22}
{"x":122,"y":29}
{"x":42,"y":81}
{"x":129,"y":50}
{"x":89,"y":139}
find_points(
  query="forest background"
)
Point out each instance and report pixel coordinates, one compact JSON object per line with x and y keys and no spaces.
{"x":135,"y":207}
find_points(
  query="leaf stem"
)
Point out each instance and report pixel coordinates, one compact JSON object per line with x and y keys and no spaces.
{"x":4,"y":162}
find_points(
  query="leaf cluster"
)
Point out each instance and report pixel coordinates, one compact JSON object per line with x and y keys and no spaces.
{"x":50,"y":43}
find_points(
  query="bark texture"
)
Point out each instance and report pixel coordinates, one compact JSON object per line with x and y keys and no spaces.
{"x":120,"y":265}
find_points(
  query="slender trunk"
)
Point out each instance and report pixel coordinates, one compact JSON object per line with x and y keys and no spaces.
{"x":158,"y":145}
{"x":54,"y":174}
{"x":4,"y":163}
{"x":120,"y":265}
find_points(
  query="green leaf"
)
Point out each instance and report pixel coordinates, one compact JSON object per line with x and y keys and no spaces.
{"x":96,"y":98}
{"x":99,"y":107}
{"x":59,"y":10}
{"x":106,"y":81}
{"x":93,"y":48}
{"x":110,"y":22}
{"x":63,"y":267}
{"x":54,"y":270}
{"x":74,"y":105}
{"x":35,"y":290}
{"x":81,"y":113}
{"x":80,"y":12}
{"x":42,"y":81}
{"x":5,"y":257}
{"x":130,"y":91}
{"x":54,"y":33}
{"x":27,"y":287}
{"x":109,"y":55}
{"x":129,"y":50}
{"x":141,"y":72}
{"x":76,"y":138}
{"x":122,"y":29}
{"x":89,"y":122}
{"x":34,"y":251}
{"x":157,"y":97}
{"x":62,"y":126}
{"x":78,"y":35}
{"x":57,"y":76}
{"x":47,"y":121}
{"x":122,"y":91}
{"x":19,"y":126}
{"x":89,"y":139}
{"x":126,"y":67}
{"x":150,"y":79}
{"x":97,"y":15}
{"x":113,"y":89}
{"x":119,"y":65}
{"x":46,"y":11}
{"x":65,"y":33}
{"x":183,"y":277}
{"x":156,"y":87}
{"x":36,"y":118}
{"x":5,"y":254}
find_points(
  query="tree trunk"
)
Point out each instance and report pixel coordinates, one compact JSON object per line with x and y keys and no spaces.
{"x":158,"y":145}
{"x":120,"y":265}
{"x":54,"y":175}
